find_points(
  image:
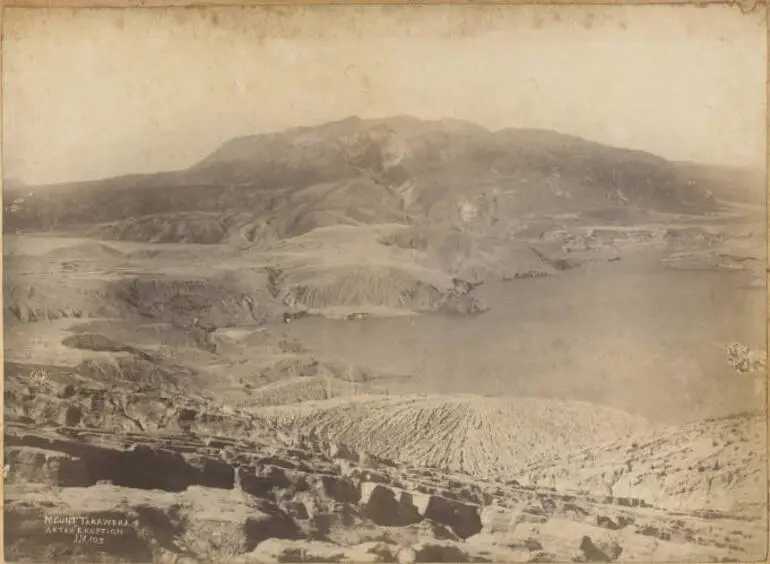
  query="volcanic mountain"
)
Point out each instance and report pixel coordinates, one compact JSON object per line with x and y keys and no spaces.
{"x":355,"y":171}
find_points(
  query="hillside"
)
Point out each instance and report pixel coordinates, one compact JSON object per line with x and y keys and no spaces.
{"x":717,"y":464}
{"x":476,"y":435}
{"x":727,"y":183}
{"x":354,"y":171}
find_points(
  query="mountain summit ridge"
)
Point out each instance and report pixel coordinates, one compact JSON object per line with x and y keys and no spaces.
{"x":368,"y":171}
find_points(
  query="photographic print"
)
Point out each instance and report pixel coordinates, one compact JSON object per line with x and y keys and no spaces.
{"x":445,"y":283}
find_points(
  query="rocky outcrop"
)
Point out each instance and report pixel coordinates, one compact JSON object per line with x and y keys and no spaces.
{"x":463,"y":518}
{"x":39,"y":465}
{"x":200,"y":521}
{"x":217,"y":498}
{"x":388,"y":506}
{"x":439,"y":551}
{"x":141,"y":466}
{"x":277,"y":550}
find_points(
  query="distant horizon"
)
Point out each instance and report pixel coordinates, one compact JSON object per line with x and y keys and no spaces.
{"x":22,"y":181}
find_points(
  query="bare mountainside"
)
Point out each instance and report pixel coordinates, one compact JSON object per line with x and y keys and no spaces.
{"x":352,"y":172}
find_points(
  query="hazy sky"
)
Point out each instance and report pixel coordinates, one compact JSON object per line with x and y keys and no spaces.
{"x":95,"y":93}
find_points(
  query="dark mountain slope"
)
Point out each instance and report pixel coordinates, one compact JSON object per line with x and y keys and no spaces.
{"x":728,"y":183}
{"x":354,"y":171}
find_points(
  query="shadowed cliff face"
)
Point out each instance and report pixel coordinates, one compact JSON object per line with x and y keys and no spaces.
{"x":400,"y":169}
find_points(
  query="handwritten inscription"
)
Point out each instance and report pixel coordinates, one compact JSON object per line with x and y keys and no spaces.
{"x":86,"y":530}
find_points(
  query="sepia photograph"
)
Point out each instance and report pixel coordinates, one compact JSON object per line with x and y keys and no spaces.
{"x":439,"y":283}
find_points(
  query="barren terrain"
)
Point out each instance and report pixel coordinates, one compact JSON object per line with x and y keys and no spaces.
{"x":388,"y":340}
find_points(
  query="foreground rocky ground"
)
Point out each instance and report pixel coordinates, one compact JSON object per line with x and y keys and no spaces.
{"x":136,"y":472}
{"x":171,"y":497}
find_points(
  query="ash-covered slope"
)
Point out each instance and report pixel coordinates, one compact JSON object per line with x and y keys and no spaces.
{"x":212,"y":498}
{"x":354,"y":171}
{"x":716,"y":464}
{"x":336,"y":272}
{"x":202,"y":482}
{"x":481,"y":436}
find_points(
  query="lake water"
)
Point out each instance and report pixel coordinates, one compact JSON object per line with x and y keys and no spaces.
{"x":633,"y":336}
